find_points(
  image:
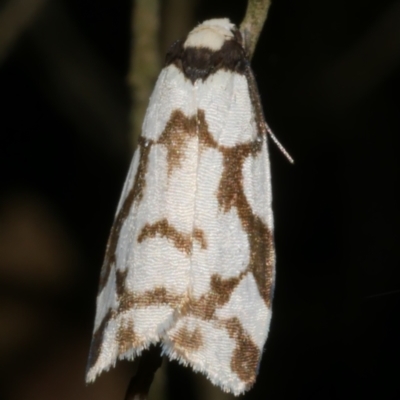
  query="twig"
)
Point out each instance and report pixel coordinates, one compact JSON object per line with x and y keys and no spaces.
{"x":145,"y":63}
{"x":78,"y":81}
{"x":15,"y":17}
{"x":253,"y":22}
{"x":139,"y":385}
{"x":173,"y":28}
{"x":145,"y":59}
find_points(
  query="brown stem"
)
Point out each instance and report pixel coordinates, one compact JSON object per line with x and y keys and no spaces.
{"x":15,"y":17}
{"x":139,"y":385}
{"x":173,"y":28}
{"x":253,"y":22}
{"x":145,"y":59}
{"x":77,"y":80}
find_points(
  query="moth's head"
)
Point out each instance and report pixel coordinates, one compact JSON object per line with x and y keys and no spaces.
{"x":212,"y":34}
{"x":213,"y":45}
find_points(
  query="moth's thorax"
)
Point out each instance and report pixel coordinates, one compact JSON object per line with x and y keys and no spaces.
{"x":211,"y":34}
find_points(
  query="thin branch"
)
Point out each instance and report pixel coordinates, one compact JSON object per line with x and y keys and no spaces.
{"x":173,"y":28}
{"x":139,"y":385}
{"x":77,"y":80}
{"x":253,"y":22}
{"x":15,"y":17}
{"x":145,"y":59}
{"x":145,"y":64}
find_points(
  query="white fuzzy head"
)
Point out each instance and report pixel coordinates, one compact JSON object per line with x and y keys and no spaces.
{"x":211,"y":34}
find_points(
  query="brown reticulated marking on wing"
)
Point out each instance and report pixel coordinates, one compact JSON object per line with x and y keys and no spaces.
{"x":262,"y":257}
{"x":231,"y":194}
{"x":128,"y":300}
{"x":135,"y":194}
{"x":97,"y":340}
{"x":120,"y":277}
{"x":219,"y":294}
{"x":181,"y":241}
{"x":199,"y":236}
{"x":223,"y":288}
{"x":205,"y":137}
{"x":126,"y":337}
{"x":175,"y":137}
{"x":246,"y":355}
{"x":187,"y":341}
{"x":154,"y":297}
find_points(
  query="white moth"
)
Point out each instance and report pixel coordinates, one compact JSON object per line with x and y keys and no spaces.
{"x":190,"y":260}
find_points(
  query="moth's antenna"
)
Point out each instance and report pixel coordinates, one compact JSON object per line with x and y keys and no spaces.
{"x":280,"y":147}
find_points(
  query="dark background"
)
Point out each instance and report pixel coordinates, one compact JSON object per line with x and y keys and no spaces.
{"x":329,"y":78}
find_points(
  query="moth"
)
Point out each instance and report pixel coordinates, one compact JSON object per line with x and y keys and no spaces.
{"x":190,"y":261}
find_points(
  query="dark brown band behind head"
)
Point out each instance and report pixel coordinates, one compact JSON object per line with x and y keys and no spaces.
{"x":201,"y":62}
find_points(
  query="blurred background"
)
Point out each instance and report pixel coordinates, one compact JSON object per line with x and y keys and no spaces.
{"x":329,"y":77}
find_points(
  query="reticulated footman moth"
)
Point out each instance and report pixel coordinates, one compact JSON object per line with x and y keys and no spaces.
{"x":190,"y":260}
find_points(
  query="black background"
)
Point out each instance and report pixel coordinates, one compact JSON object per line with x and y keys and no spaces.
{"x":329,"y":78}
